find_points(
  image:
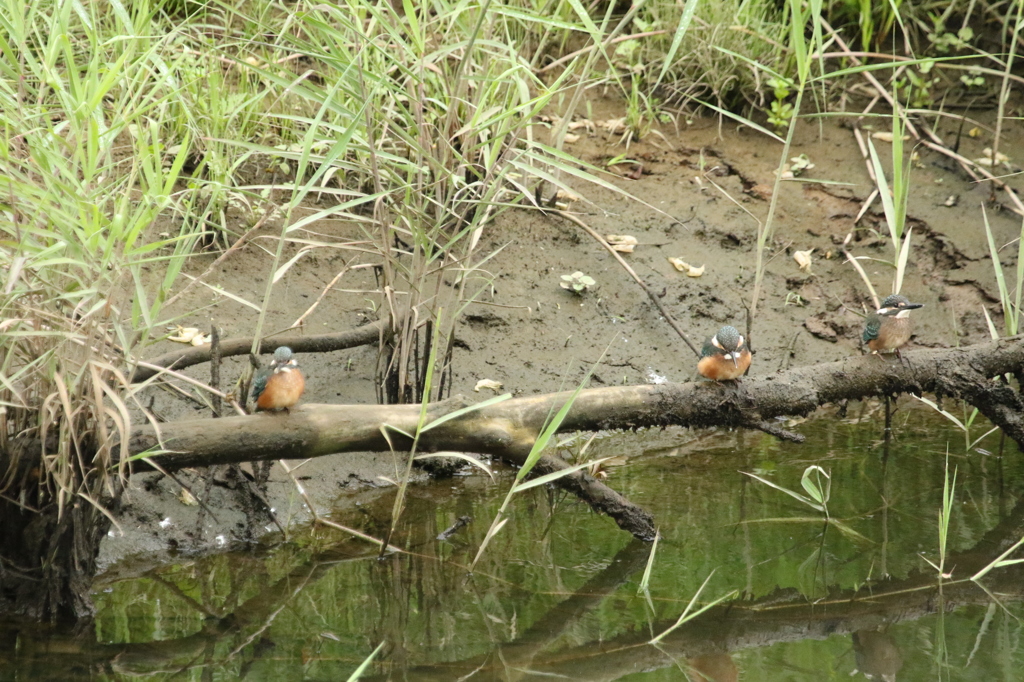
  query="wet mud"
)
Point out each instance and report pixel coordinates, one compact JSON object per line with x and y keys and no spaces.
{"x":695,"y":193}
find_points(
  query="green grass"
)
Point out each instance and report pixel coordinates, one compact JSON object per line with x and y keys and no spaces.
{"x":87,"y":173}
{"x":137,"y":133}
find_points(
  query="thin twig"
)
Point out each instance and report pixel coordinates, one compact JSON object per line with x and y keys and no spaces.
{"x":860,"y":270}
{"x":773,"y":430}
{"x":327,"y":288}
{"x":319,"y":519}
{"x":615,"y":254}
{"x":220,"y":259}
{"x":215,"y":368}
{"x":178,"y":375}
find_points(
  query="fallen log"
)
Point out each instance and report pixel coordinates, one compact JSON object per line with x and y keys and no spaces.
{"x":509,"y":429}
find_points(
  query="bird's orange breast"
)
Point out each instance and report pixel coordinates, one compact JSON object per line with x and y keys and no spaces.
{"x":893,"y":334}
{"x":719,"y":368}
{"x":283,"y":390}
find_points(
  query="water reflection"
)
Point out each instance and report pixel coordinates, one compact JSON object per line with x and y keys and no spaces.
{"x":557,"y":591}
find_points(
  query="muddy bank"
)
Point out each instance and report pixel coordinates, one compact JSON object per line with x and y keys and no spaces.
{"x":532,"y":336}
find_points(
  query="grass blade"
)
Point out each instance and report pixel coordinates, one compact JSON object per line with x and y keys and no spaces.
{"x":466,"y":410}
{"x":555,"y":475}
{"x":645,"y":580}
{"x":806,"y":500}
{"x":358,"y":672}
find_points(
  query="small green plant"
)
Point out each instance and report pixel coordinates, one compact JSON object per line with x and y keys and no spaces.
{"x":894,"y":199}
{"x":638,"y":119}
{"x":804,"y":19}
{"x":915,"y":87}
{"x":1000,"y":562}
{"x":689,"y":614}
{"x":577,"y":283}
{"x":817,"y":483}
{"x":645,"y":580}
{"x":793,"y":298}
{"x":944,"y":42}
{"x":364,"y":666}
{"x":642,"y":111}
{"x":799,"y":164}
{"x":973,"y":78}
{"x":780,"y":113}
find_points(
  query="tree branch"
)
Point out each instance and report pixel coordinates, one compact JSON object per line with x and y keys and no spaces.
{"x":509,"y":429}
{"x":319,"y":343}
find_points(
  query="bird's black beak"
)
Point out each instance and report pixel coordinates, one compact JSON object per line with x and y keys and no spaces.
{"x":911,"y":306}
{"x":735,"y":362}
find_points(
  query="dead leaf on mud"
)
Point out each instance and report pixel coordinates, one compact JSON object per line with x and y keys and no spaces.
{"x":986,"y":159}
{"x":803,"y":259}
{"x":488,"y":383}
{"x":886,"y":137}
{"x":615,"y":126}
{"x":622,"y":243}
{"x":571,"y":137}
{"x":682,"y":266}
{"x":187,"y":335}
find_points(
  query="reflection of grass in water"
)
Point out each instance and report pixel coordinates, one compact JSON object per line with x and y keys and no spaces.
{"x":706,"y":517}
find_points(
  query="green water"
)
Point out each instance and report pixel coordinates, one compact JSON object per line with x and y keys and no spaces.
{"x":556,"y":594}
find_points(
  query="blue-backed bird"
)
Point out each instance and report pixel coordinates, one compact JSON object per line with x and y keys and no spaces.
{"x":725,"y":356}
{"x":888,"y":328}
{"x":279,"y":385}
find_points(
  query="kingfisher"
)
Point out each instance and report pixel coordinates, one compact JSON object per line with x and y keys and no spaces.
{"x":888,"y":328}
{"x":725,"y":356}
{"x":279,"y":385}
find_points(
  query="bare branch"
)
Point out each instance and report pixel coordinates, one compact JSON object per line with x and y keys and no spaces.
{"x":318,"y":343}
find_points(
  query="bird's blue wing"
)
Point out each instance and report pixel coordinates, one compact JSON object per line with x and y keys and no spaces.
{"x":871,"y":327}
{"x":259,"y":382}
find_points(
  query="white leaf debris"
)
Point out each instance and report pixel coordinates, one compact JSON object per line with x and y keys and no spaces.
{"x":690,"y":270}
{"x":803,"y":259}
{"x":488,"y":383}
